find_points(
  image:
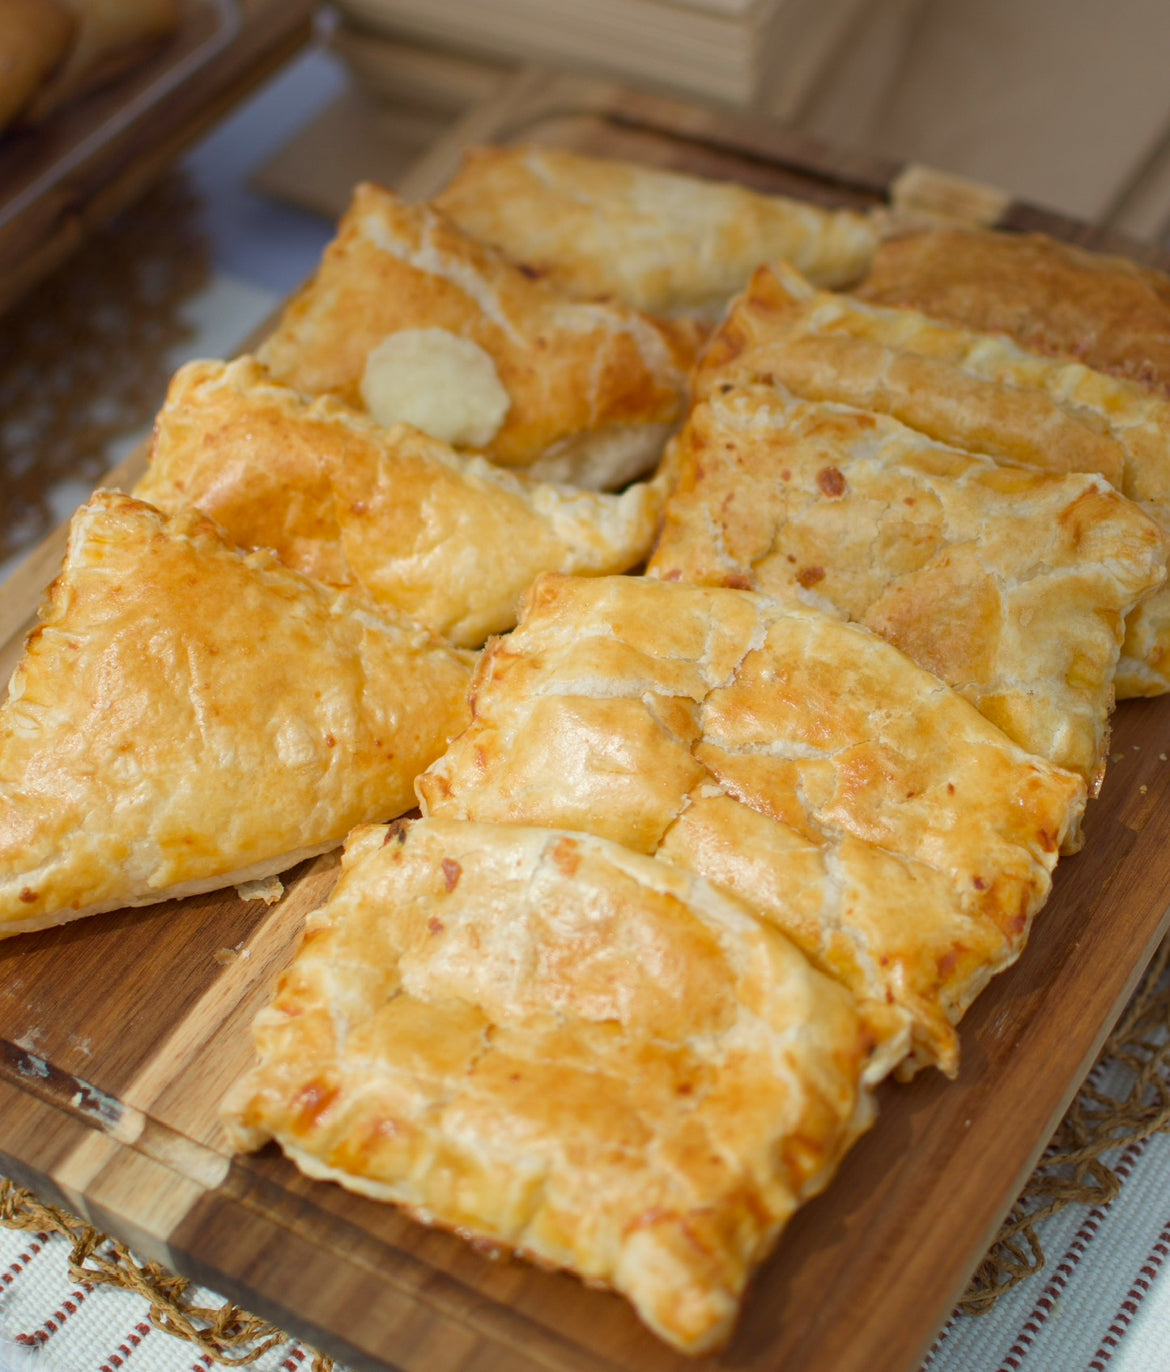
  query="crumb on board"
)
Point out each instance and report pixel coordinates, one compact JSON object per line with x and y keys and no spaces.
{"x":267,"y":889}
{"x":227,"y":955}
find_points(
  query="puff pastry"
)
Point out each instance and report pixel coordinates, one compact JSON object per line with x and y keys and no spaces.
{"x":846,"y":794}
{"x":594,"y":389}
{"x":981,"y":392}
{"x":186,"y":717}
{"x":660,"y":240}
{"x":1051,"y":297}
{"x":561,"y":1047}
{"x":1011,"y":584}
{"x":452,"y":540}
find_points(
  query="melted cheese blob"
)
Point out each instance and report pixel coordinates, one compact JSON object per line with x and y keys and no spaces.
{"x":443,"y":384}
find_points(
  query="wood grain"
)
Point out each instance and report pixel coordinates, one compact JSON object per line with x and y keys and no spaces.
{"x":119,"y":1034}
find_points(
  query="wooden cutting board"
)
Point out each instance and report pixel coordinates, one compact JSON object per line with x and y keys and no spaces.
{"x":119,"y":1034}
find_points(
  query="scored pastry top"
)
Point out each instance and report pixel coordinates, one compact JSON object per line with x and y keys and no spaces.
{"x":186,"y":717}
{"x":977,"y":391}
{"x":843,"y":792}
{"x":448,"y":538}
{"x":662,"y":241}
{"x":564,"y":1048}
{"x":592,"y":388}
{"x":1051,"y":297}
{"x":1012,"y":584}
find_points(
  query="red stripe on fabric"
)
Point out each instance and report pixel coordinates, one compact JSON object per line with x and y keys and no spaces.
{"x":1130,"y":1302}
{"x":20,"y":1262}
{"x":1076,"y":1250}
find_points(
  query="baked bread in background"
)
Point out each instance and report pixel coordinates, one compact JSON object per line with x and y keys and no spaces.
{"x":112,"y":35}
{"x":35,"y":36}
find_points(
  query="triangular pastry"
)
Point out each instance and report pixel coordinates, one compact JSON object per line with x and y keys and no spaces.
{"x":452,"y":540}
{"x":413,"y":321}
{"x":186,"y":717}
{"x":981,"y":392}
{"x":1051,"y":297}
{"x":551,"y":1044}
{"x":846,"y":794}
{"x":662,"y":241}
{"x":1011,"y":584}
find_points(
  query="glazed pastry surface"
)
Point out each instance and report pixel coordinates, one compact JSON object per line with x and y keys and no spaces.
{"x":1050,"y":297}
{"x":1011,"y":584}
{"x":849,"y":796}
{"x":186,"y":717}
{"x":551,"y":1043}
{"x":451,"y":539}
{"x":594,"y":388}
{"x":662,"y":241}
{"x":981,"y":392}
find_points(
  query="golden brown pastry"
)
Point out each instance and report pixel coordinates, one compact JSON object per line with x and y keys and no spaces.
{"x":851,"y":798}
{"x":416,"y":323}
{"x":1050,"y":297}
{"x":35,"y":36}
{"x":981,"y":392}
{"x":1010,"y":583}
{"x":545,"y":1041}
{"x":452,"y":540}
{"x":111,"y":36}
{"x":662,"y":241}
{"x":186,"y":717}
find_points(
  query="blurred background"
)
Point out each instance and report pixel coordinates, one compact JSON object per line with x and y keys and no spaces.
{"x":201,"y":182}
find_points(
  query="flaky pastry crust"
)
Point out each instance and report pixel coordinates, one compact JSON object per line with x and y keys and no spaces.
{"x":594,"y":387}
{"x":452,"y":540}
{"x":1050,"y":297}
{"x":662,"y":241}
{"x":847,"y":795}
{"x":1010,"y":583}
{"x":981,"y":392}
{"x":551,"y":1043}
{"x":186,"y":717}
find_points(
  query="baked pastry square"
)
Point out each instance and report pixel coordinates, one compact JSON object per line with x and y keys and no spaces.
{"x":412,"y":320}
{"x":981,"y":392}
{"x":186,"y":717}
{"x":451,"y":539}
{"x":847,"y":795}
{"x":1010,"y":583}
{"x":550,"y":1043}
{"x":1051,"y":297}
{"x":662,"y":241}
